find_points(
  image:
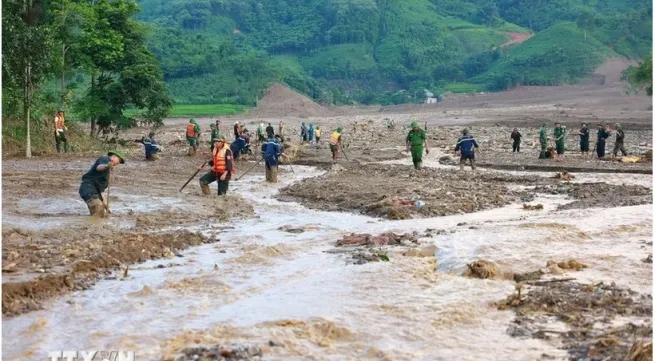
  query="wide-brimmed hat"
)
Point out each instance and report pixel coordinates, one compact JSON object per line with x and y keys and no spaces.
{"x":119,"y":154}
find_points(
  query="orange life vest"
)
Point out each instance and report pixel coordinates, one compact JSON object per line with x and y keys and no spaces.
{"x":220,"y":161}
{"x":191,"y":130}
{"x":59,"y":122}
{"x":334,"y":138}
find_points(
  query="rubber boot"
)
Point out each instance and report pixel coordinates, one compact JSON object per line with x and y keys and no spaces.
{"x":268,"y":174}
{"x":96,"y":207}
{"x":461,"y":166}
{"x":205,"y":189}
{"x":418,"y":165}
{"x":473,"y":164}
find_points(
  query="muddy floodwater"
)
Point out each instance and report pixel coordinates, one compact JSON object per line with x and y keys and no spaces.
{"x":283,"y":292}
{"x":525,"y":260}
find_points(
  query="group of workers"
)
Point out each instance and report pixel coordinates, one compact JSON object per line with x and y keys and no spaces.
{"x":308,"y":134}
{"x":560,"y":133}
{"x":224,"y":154}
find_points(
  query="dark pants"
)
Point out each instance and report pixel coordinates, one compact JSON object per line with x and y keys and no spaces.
{"x":470,"y":157}
{"x":211,"y":177}
{"x":619,"y":146}
{"x":89,"y":191}
{"x":304,"y":137}
{"x":542,"y":154}
{"x":60,"y":137}
{"x":516,"y":146}
{"x":584,"y":146}
{"x":600,"y":149}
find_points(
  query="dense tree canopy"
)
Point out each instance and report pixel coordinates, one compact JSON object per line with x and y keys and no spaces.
{"x":358,"y":50}
{"x":98,"y":43}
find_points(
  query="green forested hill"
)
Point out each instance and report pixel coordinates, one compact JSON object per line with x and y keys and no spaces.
{"x":364,"y":51}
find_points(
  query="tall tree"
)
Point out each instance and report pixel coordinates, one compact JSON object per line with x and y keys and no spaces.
{"x":26,"y":55}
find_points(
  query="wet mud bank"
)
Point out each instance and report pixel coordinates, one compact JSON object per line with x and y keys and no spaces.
{"x":38,"y":268}
{"x":393,"y":192}
{"x":595,"y":322}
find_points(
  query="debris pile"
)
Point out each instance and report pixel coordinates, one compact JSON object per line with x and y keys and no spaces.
{"x":221,"y":353}
{"x":564,"y":176}
{"x":585,"y":307}
{"x":384,"y":239}
{"x":533,"y":207}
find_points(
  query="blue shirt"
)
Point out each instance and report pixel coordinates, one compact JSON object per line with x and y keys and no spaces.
{"x":151,"y":146}
{"x":465,"y":144}
{"x":271,"y":150}
{"x":237,"y":146}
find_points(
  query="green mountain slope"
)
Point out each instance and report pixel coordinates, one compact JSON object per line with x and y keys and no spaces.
{"x":364,"y":51}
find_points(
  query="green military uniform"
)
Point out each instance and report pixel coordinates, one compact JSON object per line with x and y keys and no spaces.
{"x":416,"y":140}
{"x":559,"y":144}
{"x":618,"y":144}
{"x":216,"y":134}
{"x":543,"y":141}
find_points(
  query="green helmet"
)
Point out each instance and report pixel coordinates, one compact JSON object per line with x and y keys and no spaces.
{"x":212,"y":126}
{"x":617,"y":125}
{"x":544,"y":124}
{"x":413,"y":124}
{"x":339,"y":129}
{"x":193,"y":121}
{"x":151,"y":134}
{"x":465,"y":131}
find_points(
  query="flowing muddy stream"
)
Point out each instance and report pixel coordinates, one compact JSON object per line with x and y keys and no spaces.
{"x":261,"y":284}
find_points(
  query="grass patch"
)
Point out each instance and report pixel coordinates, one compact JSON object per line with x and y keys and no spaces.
{"x":199,"y":110}
{"x":512,"y":28}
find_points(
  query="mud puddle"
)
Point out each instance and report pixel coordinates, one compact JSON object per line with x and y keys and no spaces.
{"x":261,"y":283}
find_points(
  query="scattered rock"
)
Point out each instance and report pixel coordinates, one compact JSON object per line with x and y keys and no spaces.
{"x":564,"y":176}
{"x":383,"y":239}
{"x":573,"y":264}
{"x":482,"y":269}
{"x":533,"y":207}
{"x":648,"y":259}
{"x":291,"y":229}
{"x":233,"y":352}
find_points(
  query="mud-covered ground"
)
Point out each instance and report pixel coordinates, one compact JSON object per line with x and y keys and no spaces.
{"x":51,"y":245}
{"x":343,"y":274}
{"x":393,"y":192}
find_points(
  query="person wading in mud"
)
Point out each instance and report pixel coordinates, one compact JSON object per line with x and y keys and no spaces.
{"x":516,"y":137}
{"x":270,"y":131}
{"x":310,"y":133}
{"x":584,"y":139}
{"x":414,"y":141}
{"x":559,"y":133}
{"x":222,"y":168}
{"x":237,"y":130}
{"x":543,"y":141}
{"x":192,"y":135}
{"x":239,"y":144}
{"x":260,"y":134}
{"x":618,"y":144}
{"x":96,"y":180}
{"x":60,"y":132}
{"x":317,"y":133}
{"x":271,"y":151}
{"x":335,"y":143}
{"x":303,"y":132}
{"x":466,"y":145}
{"x":602,"y":134}
{"x":152,"y":149}
{"x":216,"y":133}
